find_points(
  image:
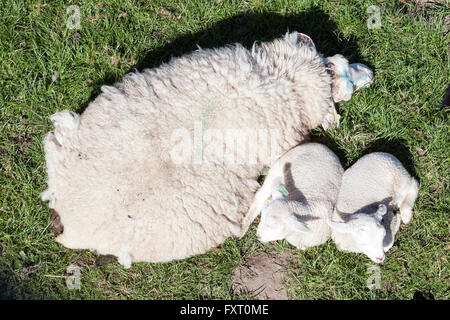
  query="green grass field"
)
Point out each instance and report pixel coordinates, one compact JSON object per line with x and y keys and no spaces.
{"x":46,"y":67}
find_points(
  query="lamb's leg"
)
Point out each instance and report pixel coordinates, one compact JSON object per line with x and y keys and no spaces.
{"x":262,"y":195}
{"x":258,"y":202}
{"x":391,"y":230}
{"x":408,"y":195}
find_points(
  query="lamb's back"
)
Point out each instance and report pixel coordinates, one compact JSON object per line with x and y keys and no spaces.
{"x":371,"y":180}
{"x":314,"y":173}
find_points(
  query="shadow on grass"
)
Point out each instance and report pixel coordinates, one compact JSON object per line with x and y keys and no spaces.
{"x":11,"y":286}
{"x":246,"y":29}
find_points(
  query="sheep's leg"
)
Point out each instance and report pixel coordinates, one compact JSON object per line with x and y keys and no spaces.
{"x":65,"y":123}
{"x":124,"y":257}
{"x":52,"y":154}
{"x":408,"y":195}
{"x":56,"y":144}
{"x":331,"y":120}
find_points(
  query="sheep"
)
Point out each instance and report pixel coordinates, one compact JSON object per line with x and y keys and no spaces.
{"x":372,"y":190}
{"x":163,"y":165}
{"x":311,"y":174}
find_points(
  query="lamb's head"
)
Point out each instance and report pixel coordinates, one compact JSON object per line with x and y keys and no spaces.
{"x":366,"y":231}
{"x":347,"y":78}
{"x":278,"y":220}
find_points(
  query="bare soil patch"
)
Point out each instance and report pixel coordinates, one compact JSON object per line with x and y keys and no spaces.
{"x":261,"y":276}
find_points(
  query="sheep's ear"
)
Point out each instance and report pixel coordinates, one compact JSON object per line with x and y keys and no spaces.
{"x":382,"y":210}
{"x":305,"y":40}
{"x":361,"y":75}
{"x":342,"y":85}
{"x":300,"y":38}
{"x":298,"y":225}
{"x":342,"y":227}
{"x":334,"y":63}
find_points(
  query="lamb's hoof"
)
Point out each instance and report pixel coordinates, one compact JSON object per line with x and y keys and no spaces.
{"x":55,"y":222}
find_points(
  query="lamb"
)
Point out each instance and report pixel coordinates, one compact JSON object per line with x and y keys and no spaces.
{"x":311,"y":174}
{"x":372,"y":190}
{"x":163,"y":165}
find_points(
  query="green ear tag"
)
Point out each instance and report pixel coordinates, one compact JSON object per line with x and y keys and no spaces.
{"x":283,"y":190}
{"x":302,"y":222}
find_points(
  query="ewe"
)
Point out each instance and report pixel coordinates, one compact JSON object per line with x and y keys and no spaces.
{"x":311,"y":174}
{"x":163,"y":164}
{"x":372,"y":190}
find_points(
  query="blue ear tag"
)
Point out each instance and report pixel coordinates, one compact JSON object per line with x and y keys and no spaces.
{"x":282,"y":189}
{"x":349,"y":83}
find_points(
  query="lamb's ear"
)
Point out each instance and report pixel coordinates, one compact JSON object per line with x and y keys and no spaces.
{"x":382,"y":210}
{"x":276,"y":191}
{"x":297,"y":224}
{"x":342,"y":227}
{"x":300,"y":38}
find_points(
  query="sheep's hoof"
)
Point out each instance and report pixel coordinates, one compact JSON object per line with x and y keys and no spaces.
{"x":55,"y":222}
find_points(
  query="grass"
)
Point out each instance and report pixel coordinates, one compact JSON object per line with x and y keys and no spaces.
{"x":47,"y":67}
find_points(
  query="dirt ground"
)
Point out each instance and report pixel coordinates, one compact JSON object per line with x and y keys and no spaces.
{"x":261,"y":276}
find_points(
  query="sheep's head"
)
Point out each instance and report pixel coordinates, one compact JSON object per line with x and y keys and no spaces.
{"x":347,"y":78}
{"x":331,"y":118}
{"x":278,"y":221}
{"x":367,"y":232}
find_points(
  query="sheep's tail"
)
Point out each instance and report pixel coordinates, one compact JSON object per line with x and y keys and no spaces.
{"x":407,"y":194}
{"x":56,"y":145}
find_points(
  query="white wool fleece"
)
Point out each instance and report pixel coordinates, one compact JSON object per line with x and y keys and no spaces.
{"x":377,"y":182}
{"x":114,"y":173}
{"x":311,"y":174}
